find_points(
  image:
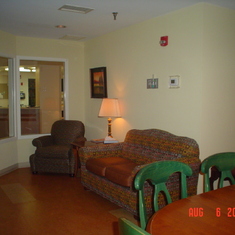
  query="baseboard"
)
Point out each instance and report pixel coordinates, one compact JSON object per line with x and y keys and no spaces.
{"x":14,"y":167}
{"x":8,"y":169}
{"x":23,"y":165}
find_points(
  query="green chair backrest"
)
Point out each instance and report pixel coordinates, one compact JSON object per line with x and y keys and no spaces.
{"x":126,"y":227}
{"x":224,"y":162}
{"x":158,"y":173}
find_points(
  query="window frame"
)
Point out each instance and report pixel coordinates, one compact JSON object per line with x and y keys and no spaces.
{"x":12,"y":99}
{"x":65,"y":88}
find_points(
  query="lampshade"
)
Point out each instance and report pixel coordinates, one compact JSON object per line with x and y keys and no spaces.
{"x":109,"y":108}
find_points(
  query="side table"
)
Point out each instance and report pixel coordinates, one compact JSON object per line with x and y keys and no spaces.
{"x":76,"y":146}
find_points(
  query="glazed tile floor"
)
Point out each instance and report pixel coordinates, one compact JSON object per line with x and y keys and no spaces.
{"x":53,"y":204}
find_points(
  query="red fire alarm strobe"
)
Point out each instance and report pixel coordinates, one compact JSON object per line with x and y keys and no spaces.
{"x":164,"y":41}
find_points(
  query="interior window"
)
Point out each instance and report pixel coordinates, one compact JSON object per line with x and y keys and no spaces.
{"x":6,"y":98}
{"x":41,"y":95}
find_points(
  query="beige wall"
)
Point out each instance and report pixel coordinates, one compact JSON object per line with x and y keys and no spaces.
{"x":74,"y":53}
{"x":218,"y":106}
{"x":132,"y":55}
{"x":8,"y":44}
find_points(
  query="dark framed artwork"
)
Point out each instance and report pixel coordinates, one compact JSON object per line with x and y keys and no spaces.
{"x":98,"y":82}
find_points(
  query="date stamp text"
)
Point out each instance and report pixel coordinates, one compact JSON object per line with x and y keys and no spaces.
{"x":199,"y":212}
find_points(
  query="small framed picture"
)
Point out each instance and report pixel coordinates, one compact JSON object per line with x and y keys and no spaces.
{"x":98,"y":82}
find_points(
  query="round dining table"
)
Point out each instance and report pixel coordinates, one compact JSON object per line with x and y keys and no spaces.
{"x":207,"y":213}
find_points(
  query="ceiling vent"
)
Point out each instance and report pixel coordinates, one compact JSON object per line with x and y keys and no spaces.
{"x":72,"y":38}
{"x":76,"y":9}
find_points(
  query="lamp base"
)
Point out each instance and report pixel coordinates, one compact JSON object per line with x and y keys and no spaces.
{"x":109,"y":127}
{"x":109,"y":140}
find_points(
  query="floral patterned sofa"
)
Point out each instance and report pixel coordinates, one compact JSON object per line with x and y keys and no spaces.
{"x":109,"y":169}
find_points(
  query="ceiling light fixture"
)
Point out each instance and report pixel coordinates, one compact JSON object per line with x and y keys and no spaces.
{"x":29,"y":69}
{"x":76,"y":9}
{"x":115,"y":15}
{"x":60,"y":26}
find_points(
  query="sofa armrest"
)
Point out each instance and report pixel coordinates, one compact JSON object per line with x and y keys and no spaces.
{"x":43,"y":141}
{"x":193,"y":162}
{"x":100,"y":151}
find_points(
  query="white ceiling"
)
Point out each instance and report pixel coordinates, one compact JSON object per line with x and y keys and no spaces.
{"x":38,"y":18}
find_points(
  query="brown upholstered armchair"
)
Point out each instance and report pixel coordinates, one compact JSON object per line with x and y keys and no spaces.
{"x":54,"y":153}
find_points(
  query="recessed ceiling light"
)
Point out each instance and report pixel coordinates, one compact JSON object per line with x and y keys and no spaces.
{"x":60,"y":26}
{"x":76,"y":9}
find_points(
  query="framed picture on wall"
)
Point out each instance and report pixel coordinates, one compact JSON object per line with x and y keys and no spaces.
{"x":98,"y":82}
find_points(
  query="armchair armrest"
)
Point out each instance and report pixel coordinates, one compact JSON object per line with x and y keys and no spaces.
{"x":79,"y":141}
{"x":100,"y":151}
{"x":43,"y":141}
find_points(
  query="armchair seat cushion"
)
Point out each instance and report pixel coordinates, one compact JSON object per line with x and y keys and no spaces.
{"x":53,"y":151}
{"x":98,"y":166}
{"x":121,"y":174}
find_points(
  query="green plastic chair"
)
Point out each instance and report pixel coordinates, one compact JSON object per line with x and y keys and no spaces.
{"x":126,"y":227}
{"x":158,"y":173}
{"x":224,"y":162}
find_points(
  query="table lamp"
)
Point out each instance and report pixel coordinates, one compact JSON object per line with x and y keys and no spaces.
{"x":109,"y":108}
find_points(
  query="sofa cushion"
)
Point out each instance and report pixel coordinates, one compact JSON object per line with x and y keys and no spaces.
{"x":121,"y":174}
{"x":98,"y":165}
